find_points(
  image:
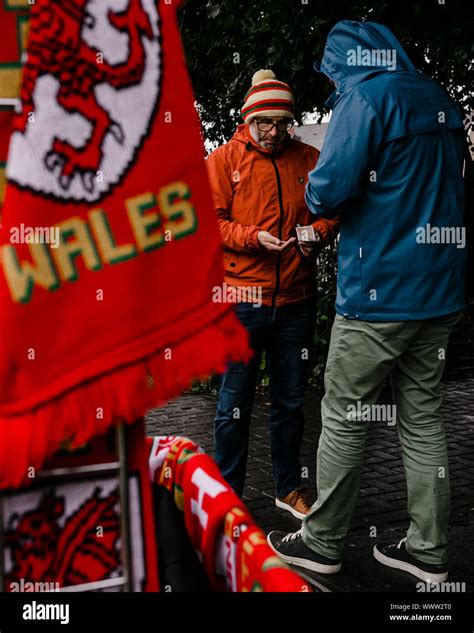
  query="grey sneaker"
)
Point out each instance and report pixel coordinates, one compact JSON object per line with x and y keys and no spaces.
{"x":397,"y":557}
{"x":292,"y":549}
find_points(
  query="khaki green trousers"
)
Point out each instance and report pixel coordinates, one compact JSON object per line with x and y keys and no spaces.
{"x":361,"y":356}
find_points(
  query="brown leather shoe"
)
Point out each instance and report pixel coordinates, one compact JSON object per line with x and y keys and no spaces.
{"x":297,"y":502}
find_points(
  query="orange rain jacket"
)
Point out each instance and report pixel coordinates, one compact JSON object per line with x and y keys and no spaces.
{"x":255,"y":190}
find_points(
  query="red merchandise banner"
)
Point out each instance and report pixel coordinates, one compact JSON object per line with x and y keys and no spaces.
{"x":110,"y":249}
{"x":65,"y":530}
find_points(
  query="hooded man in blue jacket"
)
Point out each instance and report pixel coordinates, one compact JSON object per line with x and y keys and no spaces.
{"x":392,"y":166}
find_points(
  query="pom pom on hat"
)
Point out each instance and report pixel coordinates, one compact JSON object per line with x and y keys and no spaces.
{"x":262,"y":75}
{"x":268,"y":97}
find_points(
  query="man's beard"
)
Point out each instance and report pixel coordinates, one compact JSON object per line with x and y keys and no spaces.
{"x":272,"y":148}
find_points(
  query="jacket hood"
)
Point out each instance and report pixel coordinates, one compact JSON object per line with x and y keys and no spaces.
{"x":356,"y":51}
{"x":242,"y":134}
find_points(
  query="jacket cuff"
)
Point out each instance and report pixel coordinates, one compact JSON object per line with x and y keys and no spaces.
{"x":252,"y":238}
{"x":327,"y":229}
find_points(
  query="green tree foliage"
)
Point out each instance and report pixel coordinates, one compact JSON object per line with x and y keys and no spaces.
{"x":226,"y":41}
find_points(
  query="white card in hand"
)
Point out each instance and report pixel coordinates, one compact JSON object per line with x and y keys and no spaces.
{"x":305,"y":234}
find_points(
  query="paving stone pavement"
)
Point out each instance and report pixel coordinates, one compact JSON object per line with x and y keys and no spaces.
{"x":382,"y":502}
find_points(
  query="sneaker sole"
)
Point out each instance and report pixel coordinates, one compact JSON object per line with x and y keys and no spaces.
{"x":286,"y":506}
{"x":305,"y":563}
{"x":426,"y":576}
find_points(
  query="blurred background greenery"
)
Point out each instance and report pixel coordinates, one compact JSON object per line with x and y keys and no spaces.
{"x":289,"y":35}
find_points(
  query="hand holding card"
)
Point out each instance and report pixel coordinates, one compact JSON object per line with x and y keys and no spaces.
{"x":308,"y":238}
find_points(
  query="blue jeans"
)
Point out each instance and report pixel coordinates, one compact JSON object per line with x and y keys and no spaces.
{"x":286,"y":335}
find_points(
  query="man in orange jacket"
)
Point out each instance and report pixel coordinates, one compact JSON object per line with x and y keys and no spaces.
{"x":258,"y":180}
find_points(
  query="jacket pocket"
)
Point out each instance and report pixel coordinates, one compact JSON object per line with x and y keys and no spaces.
{"x":231,"y":263}
{"x":238,"y":264}
{"x":249,"y":267}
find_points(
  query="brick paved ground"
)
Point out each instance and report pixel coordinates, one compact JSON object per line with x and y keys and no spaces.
{"x":383,"y":497}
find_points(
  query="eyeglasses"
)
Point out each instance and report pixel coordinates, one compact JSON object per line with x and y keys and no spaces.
{"x":266,"y":125}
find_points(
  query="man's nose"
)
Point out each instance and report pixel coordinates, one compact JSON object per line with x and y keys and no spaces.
{"x":274,"y":132}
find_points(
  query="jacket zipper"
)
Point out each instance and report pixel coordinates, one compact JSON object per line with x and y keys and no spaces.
{"x":280,"y":228}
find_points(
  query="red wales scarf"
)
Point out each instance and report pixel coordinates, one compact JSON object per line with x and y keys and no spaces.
{"x":233,"y":550}
{"x":110,"y":249}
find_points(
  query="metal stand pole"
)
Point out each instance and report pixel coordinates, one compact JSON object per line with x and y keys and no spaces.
{"x":124,"y":508}
{"x":2,"y":551}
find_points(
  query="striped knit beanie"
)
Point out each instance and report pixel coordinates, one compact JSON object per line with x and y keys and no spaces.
{"x":268,"y":97}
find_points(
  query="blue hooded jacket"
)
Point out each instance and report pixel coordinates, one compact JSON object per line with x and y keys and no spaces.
{"x":392,"y":165}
